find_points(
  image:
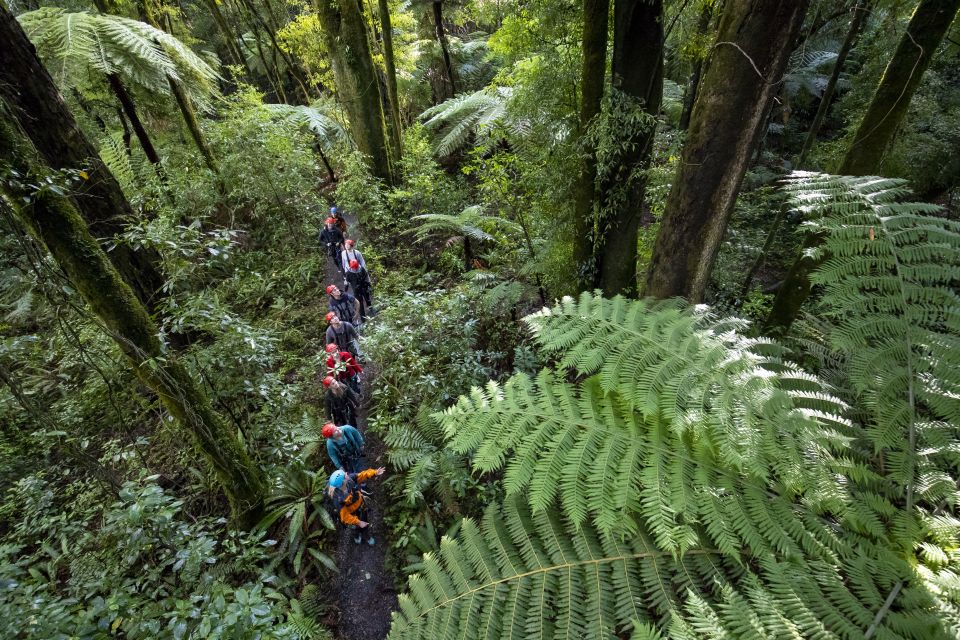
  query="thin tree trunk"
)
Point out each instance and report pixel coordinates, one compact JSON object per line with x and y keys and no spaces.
{"x":638,"y":75}
{"x":231,"y":39}
{"x":277,"y":50}
{"x":127,"y":135}
{"x":690,"y":96}
{"x":742,"y":75}
{"x":391,"y":72}
{"x":930,"y":22}
{"x":53,"y":220}
{"x":35,"y":102}
{"x":596,"y":15}
{"x":345,"y":33}
{"x":131,"y":110}
{"x":190,"y":117}
{"x":860,"y":12}
{"x":928,"y":26}
{"x":444,"y":45}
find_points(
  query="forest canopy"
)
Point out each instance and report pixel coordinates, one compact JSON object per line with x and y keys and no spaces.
{"x":471,"y":319}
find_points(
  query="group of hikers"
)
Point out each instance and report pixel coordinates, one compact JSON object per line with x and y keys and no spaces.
{"x":349,"y":309}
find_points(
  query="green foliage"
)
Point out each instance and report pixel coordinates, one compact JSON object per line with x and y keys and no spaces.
{"x":315,"y":118}
{"x":472,"y":115}
{"x":74,"y":43}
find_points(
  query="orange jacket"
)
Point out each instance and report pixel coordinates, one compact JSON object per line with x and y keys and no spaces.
{"x":354,"y":500}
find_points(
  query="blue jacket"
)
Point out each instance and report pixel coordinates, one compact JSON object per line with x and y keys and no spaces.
{"x":348,"y":448}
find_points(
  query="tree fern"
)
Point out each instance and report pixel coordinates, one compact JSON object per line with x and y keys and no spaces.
{"x":471,"y":222}
{"x":329,"y":131}
{"x":73,"y":43}
{"x":471,"y":114}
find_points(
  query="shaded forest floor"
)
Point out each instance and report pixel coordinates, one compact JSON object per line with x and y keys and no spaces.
{"x":363,"y":589}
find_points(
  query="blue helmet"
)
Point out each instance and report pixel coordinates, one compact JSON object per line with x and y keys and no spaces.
{"x":333,"y":209}
{"x":337,"y":478}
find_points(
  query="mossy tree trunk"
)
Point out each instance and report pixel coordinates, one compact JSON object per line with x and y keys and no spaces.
{"x":742,"y":75}
{"x":858,"y":16}
{"x":929,"y":24}
{"x":230,"y":39}
{"x":35,"y":102}
{"x":391,"y":78}
{"x":441,"y":35}
{"x":345,"y":33}
{"x":637,"y":75}
{"x":596,"y":17}
{"x":54,"y":221}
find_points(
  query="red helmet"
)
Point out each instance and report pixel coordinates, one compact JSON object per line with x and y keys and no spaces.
{"x":330,"y":221}
{"x":350,"y":243}
{"x":328,"y":381}
{"x":330,"y":316}
{"x":354,"y":264}
{"x":328,"y":430}
{"x":330,"y":288}
{"x":332,"y":347}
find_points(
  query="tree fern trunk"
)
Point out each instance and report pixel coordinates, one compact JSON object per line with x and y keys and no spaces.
{"x":130,"y":109}
{"x":860,"y":12}
{"x":345,"y":33}
{"x":742,"y":75}
{"x":190,"y":118}
{"x":35,"y":102}
{"x":637,"y":73}
{"x":596,"y":14}
{"x":229,"y":37}
{"x":53,"y":220}
{"x":930,"y":22}
{"x":441,"y":36}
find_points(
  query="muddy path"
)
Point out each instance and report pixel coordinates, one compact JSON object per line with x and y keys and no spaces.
{"x":363,"y":588}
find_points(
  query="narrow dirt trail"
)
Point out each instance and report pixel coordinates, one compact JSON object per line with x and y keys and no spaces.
{"x":364,"y":586}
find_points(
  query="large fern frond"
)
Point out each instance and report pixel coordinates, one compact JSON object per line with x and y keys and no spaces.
{"x":329,"y":131}
{"x":471,"y":222}
{"x":73,"y":43}
{"x":470,"y":114}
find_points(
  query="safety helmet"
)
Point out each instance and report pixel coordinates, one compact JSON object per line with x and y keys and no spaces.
{"x":332,"y":347}
{"x":354,"y":264}
{"x":333,"y":210}
{"x":330,"y":316}
{"x":330,"y":221}
{"x":328,"y":381}
{"x":328,"y":430}
{"x":337,"y":478}
{"x":350,"y":242}
{"x":330,"y":288}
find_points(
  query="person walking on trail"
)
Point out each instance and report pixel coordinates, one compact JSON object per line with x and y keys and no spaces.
{"x":332,"y":238}
{"x":338,"y":220}
{"x":359,"y":280}
{"x":350,"y":253}
{"x":343,"y":304}
{"x":341,"y":402}
{"x":343,"y":366}
{"x":344,"y":490}
{"x":343,"y":334}
{"x":344,"y":446}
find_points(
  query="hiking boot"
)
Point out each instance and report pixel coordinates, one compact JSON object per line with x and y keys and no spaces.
{"x":371,"y":541}
{"x":356,"y":539}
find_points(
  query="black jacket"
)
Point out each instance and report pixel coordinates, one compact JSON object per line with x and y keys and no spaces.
{"x":342,"y":409}
{"x":331,"y":236}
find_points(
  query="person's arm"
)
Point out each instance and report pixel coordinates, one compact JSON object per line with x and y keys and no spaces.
{"x":344,"y":262}
{"x":332,"y":452}
{"x":365,"y":475}
{"x":356,"y":310}
{"x":363,"y":263}
{"x":347,"y":517}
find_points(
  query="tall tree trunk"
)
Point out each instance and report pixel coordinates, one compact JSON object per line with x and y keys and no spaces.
{"x":596,"y":16}
{"x":391,"y":72}
{"x":637,"y":75}
{"x":190,"y":118}
{"x":345,"y":33}
{"x":441,"y":35}
{"x":53,"y":220}
{"x":229,"y":37}
{"x":292,"y":69}
{"x":690,"y":96}
{"x":928,"y":26}
{"x":930,"y":22}
{"x":742,"y":75}
{"x":860,"y":12}
{"x":129,"y":108}
{"x":35,"y":102}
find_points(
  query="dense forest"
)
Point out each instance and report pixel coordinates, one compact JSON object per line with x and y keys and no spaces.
{"x":479,"y":319}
